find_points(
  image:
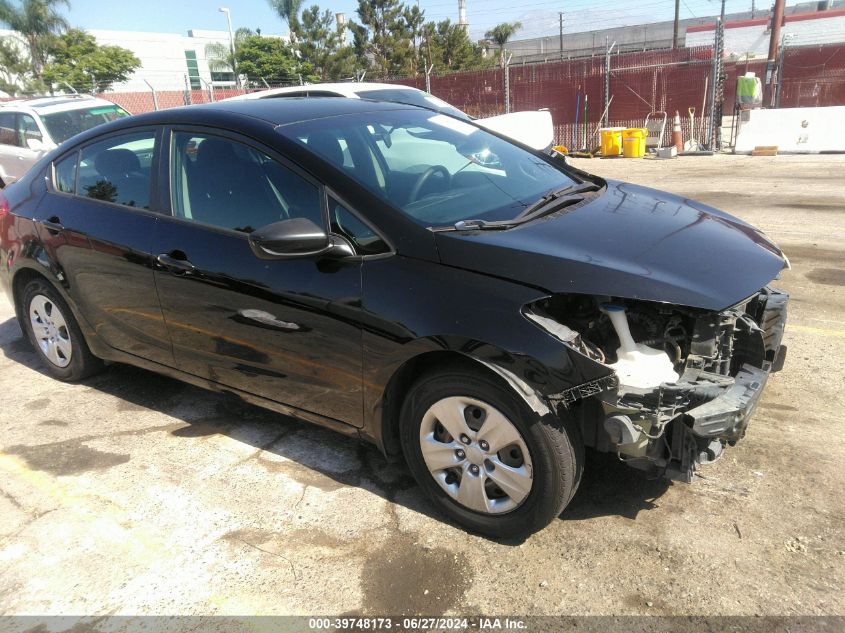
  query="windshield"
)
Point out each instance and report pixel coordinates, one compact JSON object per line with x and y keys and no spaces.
{"x":412,"y":96}
{"x":63,"y":125}
{"x":436,"y":169}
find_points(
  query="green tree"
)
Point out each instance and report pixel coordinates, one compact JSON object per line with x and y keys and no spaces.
{"x":37,"y":22}
{"x":414,"y":21}
{"x":360,"y":40}
{"x":288,"y":11}
{"x":448,"y":47}
{"x":271,"y":59}
{"x":13,"y":66}
{"x":384,"y":38}
{"x":500,"y":34}
{"x":75,"y":58}
{"x":320,"y":44}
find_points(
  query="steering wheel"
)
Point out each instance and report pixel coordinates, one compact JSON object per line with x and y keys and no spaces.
{"x":423,"y":178}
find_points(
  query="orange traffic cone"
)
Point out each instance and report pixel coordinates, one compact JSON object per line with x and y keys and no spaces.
{"x":677,"y":135}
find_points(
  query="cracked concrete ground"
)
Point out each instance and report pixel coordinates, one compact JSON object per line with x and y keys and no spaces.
{"x":131,"y":493}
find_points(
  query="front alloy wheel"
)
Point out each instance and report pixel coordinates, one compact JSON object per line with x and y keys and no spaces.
{"x":476,"y":454}
{"x":484,"y":457}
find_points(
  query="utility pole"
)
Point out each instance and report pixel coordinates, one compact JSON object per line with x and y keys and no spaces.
{"x":722,"y":15}
{"x":677,"y":20}
{"x":774,"y":43}
{"x":560,"y":16}
{"x":753,"y":10}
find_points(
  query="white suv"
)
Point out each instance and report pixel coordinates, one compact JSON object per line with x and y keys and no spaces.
{"x":29,"y":128}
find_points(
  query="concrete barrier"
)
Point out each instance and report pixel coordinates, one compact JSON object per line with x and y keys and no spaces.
{"x":793,"y":130}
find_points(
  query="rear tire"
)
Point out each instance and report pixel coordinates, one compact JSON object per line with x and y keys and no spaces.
{"x":521,"y":468}
{"x":52,"y":330}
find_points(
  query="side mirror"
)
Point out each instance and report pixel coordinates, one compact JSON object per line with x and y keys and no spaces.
{"x":35,"y":144}
{"x":297,"y":237}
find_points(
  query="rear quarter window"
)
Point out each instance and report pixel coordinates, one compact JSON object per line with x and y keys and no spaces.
{"x":64,"y":174}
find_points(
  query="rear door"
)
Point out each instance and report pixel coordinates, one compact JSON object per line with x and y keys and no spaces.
{"x":284,"y":329}
{"x":97,"y":222}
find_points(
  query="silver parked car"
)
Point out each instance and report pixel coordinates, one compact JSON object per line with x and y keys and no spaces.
{"x":29,"y":128}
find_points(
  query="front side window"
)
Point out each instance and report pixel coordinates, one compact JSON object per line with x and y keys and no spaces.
{"x":436,"y":169}
{"x":27,"y":130}
{"x":230,"y":185}
{"x":118,"y":170}
{"x":63,"y":125}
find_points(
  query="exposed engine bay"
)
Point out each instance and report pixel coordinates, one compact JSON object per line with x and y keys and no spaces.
{"x":684,"y":381}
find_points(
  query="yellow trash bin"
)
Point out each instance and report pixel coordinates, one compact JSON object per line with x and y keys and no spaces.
{"x":633,"y":142}
{"x":611,"y":141}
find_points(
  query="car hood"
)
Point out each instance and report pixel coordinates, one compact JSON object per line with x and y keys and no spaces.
{"x":533,"y":128}
{"x":629,"y":242}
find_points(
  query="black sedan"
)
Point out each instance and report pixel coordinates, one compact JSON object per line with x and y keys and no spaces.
{"x":481,"y":310}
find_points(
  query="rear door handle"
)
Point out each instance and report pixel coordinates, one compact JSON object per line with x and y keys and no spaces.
{"x":172,"y":264}
{"x":53,"y":224}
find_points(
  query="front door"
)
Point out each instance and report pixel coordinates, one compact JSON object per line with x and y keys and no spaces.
{"x":284,"y":329}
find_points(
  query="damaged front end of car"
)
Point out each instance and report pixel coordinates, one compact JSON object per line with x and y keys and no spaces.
{"x":680,"y":383}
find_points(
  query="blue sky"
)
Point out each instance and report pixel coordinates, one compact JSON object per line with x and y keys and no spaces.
{"x":539,"y":17}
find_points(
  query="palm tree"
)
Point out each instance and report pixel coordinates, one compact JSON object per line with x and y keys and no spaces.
{"x":500,"y":34}
{"x":288,"y":11}
{"x":36,"y":21}
{"x":219,"y":55}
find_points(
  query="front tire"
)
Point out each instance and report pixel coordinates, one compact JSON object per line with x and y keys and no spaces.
{"x":485,"y":458}
{"x":55,"y":335}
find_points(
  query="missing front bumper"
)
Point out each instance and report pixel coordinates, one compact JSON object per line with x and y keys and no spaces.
{"x":679,"y":426}
{"x":727,"y":416}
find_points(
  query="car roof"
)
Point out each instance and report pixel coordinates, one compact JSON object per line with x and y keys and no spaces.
{"x":346,"y":89}
{"x":59,"y":103}
{"x":274,"y":111}
{"x":258,"y":117}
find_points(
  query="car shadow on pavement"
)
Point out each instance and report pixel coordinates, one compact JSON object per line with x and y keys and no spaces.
{"x":610,"y":487}
{"x":317,"y":456}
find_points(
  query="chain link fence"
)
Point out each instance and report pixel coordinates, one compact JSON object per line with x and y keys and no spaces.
{"x":582,"y":97}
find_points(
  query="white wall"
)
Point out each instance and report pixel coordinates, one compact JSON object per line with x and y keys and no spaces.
{"x":162,"y":55}
{"x":755,"y":39}
{"x":793,"y":130}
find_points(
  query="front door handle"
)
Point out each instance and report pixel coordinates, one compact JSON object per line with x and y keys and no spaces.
{"x":180,"y":266}
{"x":53,"y":224}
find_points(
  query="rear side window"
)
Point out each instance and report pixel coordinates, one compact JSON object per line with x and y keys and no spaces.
{"x":118,"y":170}
{"x":8,"y":135}
{"x":65,"y":174}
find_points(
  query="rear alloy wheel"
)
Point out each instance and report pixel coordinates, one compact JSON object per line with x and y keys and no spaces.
{"x":54,"y":333}
{"x":485,"y":458}
{"x":49,"y":328}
